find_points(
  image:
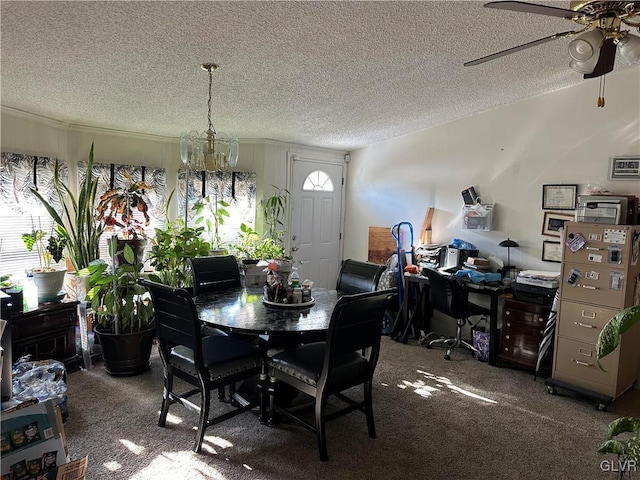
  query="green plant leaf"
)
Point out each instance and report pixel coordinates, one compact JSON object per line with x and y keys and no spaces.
{"x":609,"y":337}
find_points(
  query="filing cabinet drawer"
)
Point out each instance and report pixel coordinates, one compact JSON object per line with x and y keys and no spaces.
{"x":583,"y":322}
{"x":519,"y":349}
{"x":594,"y":285}
{"x":599,"y":238}
{"x":577,"y":360}
{"x":513,"y":317}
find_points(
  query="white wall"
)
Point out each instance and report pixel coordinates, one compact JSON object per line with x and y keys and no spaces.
{"x":506,"y":154}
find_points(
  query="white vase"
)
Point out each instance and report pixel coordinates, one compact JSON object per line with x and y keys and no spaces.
{"x":49,"y":284}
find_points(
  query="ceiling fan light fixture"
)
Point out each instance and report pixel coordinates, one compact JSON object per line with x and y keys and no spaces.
{"x":629,"y":47}
{"x":587,"y":45}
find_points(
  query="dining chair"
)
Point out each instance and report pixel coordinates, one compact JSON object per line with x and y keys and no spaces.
{"x":206,"y":363}
{"x":357,"y":277}
{"x":448,"y":295}
{"x":347,"y":358}
{"x":214,"y":273}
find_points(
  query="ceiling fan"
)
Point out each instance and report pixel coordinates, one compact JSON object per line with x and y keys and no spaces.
{"x":593,"y":51}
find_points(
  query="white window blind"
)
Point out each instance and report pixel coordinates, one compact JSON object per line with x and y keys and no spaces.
{"x":21,"y":211}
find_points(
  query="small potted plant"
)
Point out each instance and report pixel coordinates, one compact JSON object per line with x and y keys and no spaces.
{"x":117,"y":210}
{"x":48,"y":279}
{"x":124,"y":322}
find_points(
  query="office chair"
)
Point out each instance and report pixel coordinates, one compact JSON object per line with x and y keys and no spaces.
{"x":447,"y":295}
{"x":207,"y":363}
{"x":358,"y":277}
{"x":214,"y":273}
{"x":347,"y":358}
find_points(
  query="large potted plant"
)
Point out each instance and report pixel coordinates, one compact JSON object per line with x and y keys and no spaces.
{"x":47,"y":278}
{"x":124,"y":321}
{"x":623,"y":434}
{"x":120,"y":209}
{"x":76,"y":223}
{"x":171,"y":248}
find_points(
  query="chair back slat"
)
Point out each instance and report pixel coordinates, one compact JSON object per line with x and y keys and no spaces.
{"x":214,"y":273}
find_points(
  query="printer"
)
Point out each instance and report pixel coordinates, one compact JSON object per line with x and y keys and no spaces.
{"x":536,"y":286}
{"x":609,"y":209}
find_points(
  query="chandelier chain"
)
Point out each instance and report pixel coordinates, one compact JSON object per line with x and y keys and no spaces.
{"x":209,"y":104}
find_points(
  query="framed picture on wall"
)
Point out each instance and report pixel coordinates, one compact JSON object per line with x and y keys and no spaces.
{"x":554,"y":221}
{"x":559,"y":197}
{"x":551,"y":251}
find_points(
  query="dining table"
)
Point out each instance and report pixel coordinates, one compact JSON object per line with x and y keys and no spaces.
{"x":244,"y":311}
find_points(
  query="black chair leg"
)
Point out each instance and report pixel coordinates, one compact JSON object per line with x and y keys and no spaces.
{"x":368,"y":405}
{"x":321,"y":431}
{"x":205,"y":401}
{"x":272,"y":404}
{"x":166,"y":401}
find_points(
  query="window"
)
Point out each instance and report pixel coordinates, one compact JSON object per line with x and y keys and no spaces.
{"x":236,"y":188}
{"x":319,"y":181}
{"x":20,"y":210}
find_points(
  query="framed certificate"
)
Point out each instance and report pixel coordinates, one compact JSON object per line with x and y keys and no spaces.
{"x":551,"y":251}
{"x":559,"y":197}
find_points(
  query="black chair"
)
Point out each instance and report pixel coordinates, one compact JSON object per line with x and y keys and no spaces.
{"x":347,"y":358}
{"x":214,"y":273}
{"x":357,"y":277}
{"x":448,"y":295}
{"x":207,"y":363}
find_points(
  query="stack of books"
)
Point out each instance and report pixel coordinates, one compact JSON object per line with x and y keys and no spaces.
{"x":477,"y":263}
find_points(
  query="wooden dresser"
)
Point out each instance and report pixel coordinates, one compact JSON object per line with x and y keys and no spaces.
{"x":523,"y":324}
{"x":597,"y":281}
{"x":47,"y":332}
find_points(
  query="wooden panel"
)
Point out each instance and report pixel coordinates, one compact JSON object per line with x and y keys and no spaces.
{"x":381,"y":245}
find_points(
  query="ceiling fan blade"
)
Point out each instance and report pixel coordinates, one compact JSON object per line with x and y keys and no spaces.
{"x":534,"y":8}
{"x":524,"y":46}
{"x":606,"y":59}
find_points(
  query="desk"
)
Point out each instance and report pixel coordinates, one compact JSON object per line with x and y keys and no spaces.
{"x":495,"y":292}
{"x":241,"y":310}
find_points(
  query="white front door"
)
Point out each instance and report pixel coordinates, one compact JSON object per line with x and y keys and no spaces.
{"x":316,"y":195}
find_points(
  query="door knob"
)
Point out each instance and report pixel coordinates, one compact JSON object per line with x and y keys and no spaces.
{"x":294,"y":249}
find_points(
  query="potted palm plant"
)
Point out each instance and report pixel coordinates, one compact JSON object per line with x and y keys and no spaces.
{"x":623,"y":434}
{"x":48,"y":279}
{"x":125,"y":325}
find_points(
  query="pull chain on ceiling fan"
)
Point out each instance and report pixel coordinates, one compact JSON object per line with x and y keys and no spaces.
{"x":593,"y":51}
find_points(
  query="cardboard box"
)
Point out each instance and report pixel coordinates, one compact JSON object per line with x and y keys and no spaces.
{"x":34,"y":445}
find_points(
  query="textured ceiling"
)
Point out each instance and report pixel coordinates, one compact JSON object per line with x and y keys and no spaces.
{"x":330,"y":74}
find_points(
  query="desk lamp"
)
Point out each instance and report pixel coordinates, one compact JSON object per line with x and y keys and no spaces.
{"x":508,"y":243}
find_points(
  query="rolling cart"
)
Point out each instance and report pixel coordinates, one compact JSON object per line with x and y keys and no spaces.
{"x":402,"y":232}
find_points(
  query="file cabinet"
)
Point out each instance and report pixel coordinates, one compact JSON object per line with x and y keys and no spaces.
{"x":598,"y":280}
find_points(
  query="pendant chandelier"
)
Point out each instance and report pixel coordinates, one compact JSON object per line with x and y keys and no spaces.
{"x":210,"y":151}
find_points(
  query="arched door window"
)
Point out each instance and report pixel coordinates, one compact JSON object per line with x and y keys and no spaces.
{"x":318,"y":181}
